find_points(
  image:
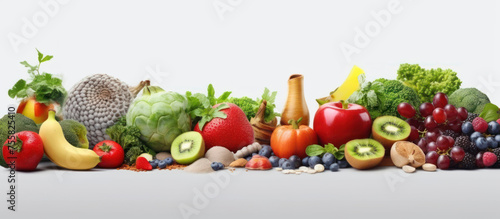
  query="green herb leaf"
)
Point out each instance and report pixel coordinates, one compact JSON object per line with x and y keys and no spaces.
{"x":18,"y":87}
{"x":222,"y":98}
{"x":340,"y":154}
{"x":330,"y":148}
{"x":40,"y":56}
{"x":491,"y":112}
{"x":211,"y":94}
{"x":315,"y":150}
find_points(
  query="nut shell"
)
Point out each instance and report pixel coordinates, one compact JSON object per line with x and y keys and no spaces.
{"x":407,"y":153}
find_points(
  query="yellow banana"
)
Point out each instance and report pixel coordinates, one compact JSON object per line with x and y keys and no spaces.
{"x":62,"y":153}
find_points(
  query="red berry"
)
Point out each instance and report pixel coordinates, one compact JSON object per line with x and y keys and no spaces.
{"x":431,"y":146}
{"x":406,"y":110}
{"x":426,"y":109}
{"x":432,"y":135}
{"x":440,"y":100}
{"x":142,"y":164}
{"x":414,"y":135}
{"x":462,"y":113}
{"x":489,"y":159}
{"x":480,"y":125}
{"x":498,"y":121}
{"x":429,"y":123}
{"x":443,"y":143}
{"x":439,"y":115}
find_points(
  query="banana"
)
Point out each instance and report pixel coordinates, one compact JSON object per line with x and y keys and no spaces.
{"x":62,"y":153}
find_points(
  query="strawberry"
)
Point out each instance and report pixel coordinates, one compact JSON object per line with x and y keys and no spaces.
{"x":143,"y":164}
{"x":225,"y":125}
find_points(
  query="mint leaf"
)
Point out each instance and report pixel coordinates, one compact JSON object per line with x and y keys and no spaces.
{"x":222,"y":98}
{"x":330,"y":148}
{"x":40,"y":56}
{"x":47,"y":58}
{"x":491,"y":112}
{"x":211,"y":94}
{"x":315,"y":150}
{"x":340,"y":154}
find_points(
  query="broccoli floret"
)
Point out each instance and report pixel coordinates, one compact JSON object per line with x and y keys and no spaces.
{"x":75,"y":133}
{"x":396,"y":93}
{"x":471,"y":98}
{"x":428,"y":82}
{"x":247,"y":104}
{"x":129,"y":137}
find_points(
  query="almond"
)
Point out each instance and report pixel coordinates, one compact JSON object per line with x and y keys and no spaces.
{"x":239,"y":163}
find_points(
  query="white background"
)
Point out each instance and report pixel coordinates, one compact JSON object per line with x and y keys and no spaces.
{"x":252,"y":45}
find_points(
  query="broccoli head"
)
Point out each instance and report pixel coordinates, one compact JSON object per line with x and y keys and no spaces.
{"x":471,"y":98}
{"x":395,"y":93}
{"x":22,"y":123}
{"x":75,"y":133}
{"x":247,"y":104}
{"x":428,"y":82}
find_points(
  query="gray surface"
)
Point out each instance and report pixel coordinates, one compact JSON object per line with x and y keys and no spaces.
{"x":257,"y":194}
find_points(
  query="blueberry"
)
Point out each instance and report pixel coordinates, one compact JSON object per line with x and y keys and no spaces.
{"x":493,"y":128}
{"x":475,"y":135}
{"x":220,"y":165}
{"x":265,"y":151}
{"x":248,"y":158}
{"x":328,"y":159}
{"x":215,"y":166}
{"x":288,"y":165}
{"x":313,"y":161}
{"x":169,"y":161}
{"x":334,"y":167}
{"x":497,"y":138}
{"x":467,"y":128}
{"x":153,"y":163}
{"x":275,"y":161}
{"x":491,"y":142}
{"x":281,"y":161}
{"x":162,"y":164}
{"x":343,"y":163}
{"x":295,"y":161}
{"x":305,"y":161}
{"x":481,"y":143}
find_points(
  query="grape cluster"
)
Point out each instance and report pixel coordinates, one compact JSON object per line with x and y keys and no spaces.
{"x":435,"y":129}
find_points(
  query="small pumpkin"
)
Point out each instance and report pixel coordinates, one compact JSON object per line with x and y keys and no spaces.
{"x":292,"y":139}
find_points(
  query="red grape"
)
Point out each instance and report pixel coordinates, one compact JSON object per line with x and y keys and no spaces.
{"x":406,"y":110}
{"x":442,"y":143}
{"x":431,"y":157}
{"x":431,"y":146}
{"x":451,"y":141}
{"x":429,"y":123}
{"x":479,"y":160}
{"x":426,"y":109}
{"x":413,"y":134}
{"x":457,"y":153}
{"x":451,"y":112}
{"x":413,"y":122}
{"x":455,"y":126}
{"x":440,"y":100}
{"x":443,"y":162}
{"x":462,"y":113}
{"x":432,"y":135}
{"x":439,"y":115}
{"x":422,"y":143}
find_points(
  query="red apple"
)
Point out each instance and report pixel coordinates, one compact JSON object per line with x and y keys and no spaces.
{"x":339,"y":123}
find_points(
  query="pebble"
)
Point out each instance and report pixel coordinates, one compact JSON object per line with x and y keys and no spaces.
{"x":429,"y":167}
{"x":319,"y":168}
{"x":408,"y":169}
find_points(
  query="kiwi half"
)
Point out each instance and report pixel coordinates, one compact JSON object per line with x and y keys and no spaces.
{"x":188,"y":147}
{"x":389,"y":129}
{"x":364,"y":153}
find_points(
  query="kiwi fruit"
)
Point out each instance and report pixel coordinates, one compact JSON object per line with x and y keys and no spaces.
{"x":364,"y":153}
{"x":188,"y":147}
{"x":389,"y":129}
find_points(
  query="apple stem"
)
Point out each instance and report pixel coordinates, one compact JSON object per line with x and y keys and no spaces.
{"x":345,"y":105}
{"x":295,"y":123}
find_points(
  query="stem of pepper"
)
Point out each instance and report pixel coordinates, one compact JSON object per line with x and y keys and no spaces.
{"x":345,"y":105}
{"x":295,"y":123}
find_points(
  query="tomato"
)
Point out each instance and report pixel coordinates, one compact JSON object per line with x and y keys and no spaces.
{"x":338,"y":123}
{"x":111,"y":154}
{"x":292,"y":139}
{"x":27,"y":150}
